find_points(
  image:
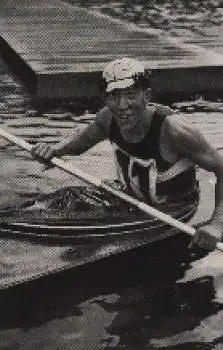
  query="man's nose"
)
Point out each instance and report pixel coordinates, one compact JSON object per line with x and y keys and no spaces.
{"x":122,"y":103}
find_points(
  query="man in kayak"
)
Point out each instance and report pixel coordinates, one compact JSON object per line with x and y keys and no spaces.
{"x":156,"y":149}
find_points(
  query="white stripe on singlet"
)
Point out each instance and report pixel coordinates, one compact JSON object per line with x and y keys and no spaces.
{"x":177,"y":168}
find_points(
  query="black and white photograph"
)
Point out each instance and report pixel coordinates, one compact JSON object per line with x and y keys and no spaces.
{"x":111,"y":168}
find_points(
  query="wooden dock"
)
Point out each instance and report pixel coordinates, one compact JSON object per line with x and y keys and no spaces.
{"x":59,"y":50}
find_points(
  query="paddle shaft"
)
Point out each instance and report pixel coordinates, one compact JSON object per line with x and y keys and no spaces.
{"x":98,"y":183}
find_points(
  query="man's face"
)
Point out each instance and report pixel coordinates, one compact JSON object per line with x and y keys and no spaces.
{"x":127,"y":106}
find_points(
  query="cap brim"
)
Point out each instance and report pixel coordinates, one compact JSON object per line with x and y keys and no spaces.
{"x":120,"y":84}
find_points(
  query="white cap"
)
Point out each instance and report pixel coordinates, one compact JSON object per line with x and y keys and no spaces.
{"x":120,"y":73}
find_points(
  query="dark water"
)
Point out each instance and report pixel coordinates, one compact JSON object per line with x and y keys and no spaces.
{"x":162,"y":297}
{"x":155,"y":301}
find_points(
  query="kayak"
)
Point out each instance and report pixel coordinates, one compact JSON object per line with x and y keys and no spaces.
{"x":75,"y":227}
{"x":84,"y":215}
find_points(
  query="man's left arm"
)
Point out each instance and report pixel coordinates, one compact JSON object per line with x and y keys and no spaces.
{"x":186,"y":140}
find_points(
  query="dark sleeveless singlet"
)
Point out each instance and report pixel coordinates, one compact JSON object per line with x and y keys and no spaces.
{"x":182,"y":186}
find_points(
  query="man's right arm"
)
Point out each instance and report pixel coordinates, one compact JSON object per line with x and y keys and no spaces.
{"x":77,"y":143}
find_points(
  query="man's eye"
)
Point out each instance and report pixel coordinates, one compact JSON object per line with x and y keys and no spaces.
{"x":130,"y":94}
{"x":114,"y":95}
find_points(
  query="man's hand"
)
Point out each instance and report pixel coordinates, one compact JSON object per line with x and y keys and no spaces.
{"x":207,"y":236}
{"x":43,"y":152}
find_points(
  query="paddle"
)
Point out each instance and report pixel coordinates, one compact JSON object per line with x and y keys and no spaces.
{"x":98,"y":183}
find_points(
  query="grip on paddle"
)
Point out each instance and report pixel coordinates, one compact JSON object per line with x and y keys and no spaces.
{"x":204,"y":240}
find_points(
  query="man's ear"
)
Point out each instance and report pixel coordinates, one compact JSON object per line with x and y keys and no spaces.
{"x":148,"y":95}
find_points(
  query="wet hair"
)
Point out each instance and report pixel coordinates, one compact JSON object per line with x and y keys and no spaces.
{"x":142,"y":80}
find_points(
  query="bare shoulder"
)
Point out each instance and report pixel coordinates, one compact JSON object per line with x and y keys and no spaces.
{"x":177,"y":125}
{"x":183,"y":135}
{"x":103,"y":119}
{"x":103,"y":116}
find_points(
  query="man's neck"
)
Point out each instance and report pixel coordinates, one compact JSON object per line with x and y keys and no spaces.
{"x":141,"y":128}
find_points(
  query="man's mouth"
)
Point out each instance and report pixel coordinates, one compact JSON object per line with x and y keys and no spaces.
{"x":124,"y":116}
